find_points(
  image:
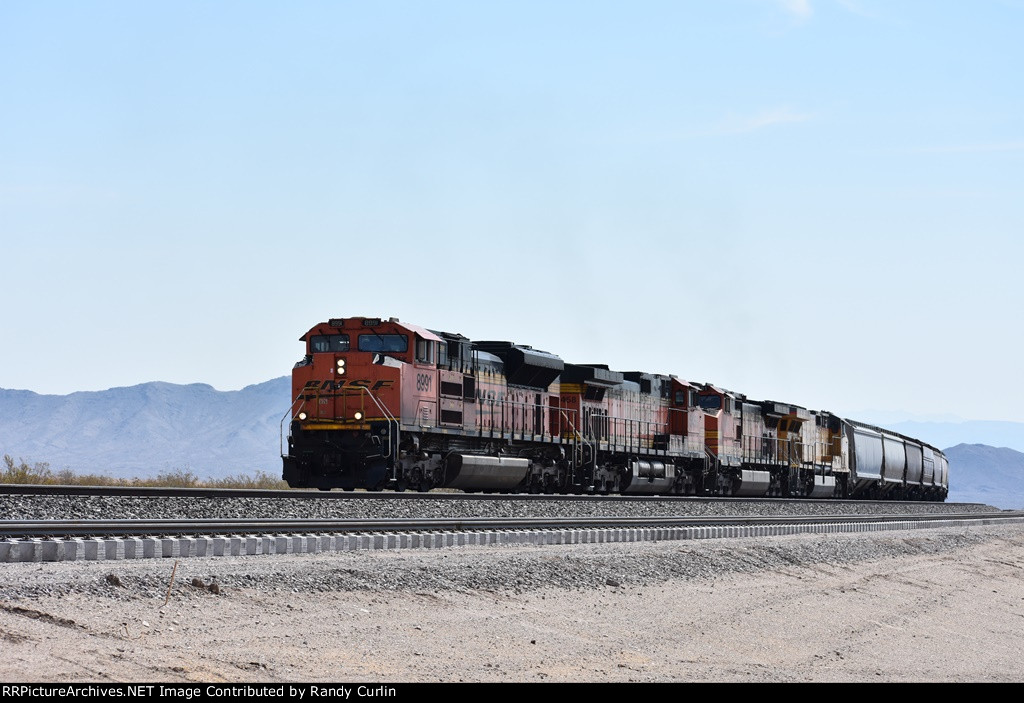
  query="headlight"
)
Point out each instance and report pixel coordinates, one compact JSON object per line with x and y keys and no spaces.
{"x":358,"y":415}
{"x":302,"y":416}
{"x":341,"y":362}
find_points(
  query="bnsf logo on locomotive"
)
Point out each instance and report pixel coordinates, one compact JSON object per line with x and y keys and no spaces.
{"x":353,"y":384}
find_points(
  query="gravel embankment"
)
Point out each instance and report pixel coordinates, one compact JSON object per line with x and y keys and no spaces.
{"x":500,"y":568}
{"x":29,"y":507}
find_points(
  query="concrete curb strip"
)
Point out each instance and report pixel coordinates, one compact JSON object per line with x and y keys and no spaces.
{"x":59,"y":549}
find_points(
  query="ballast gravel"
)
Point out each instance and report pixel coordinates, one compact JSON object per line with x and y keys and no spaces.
{"x":44,"y":507}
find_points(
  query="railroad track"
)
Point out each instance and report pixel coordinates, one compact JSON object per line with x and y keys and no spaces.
{"x":436,"y":495}
{"x":62,"y":540}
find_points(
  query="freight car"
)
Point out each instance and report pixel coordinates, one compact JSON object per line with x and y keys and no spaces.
{"x":382,"y":404}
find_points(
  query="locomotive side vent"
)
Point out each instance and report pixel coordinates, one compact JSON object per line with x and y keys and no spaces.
{"x":451,"y":417}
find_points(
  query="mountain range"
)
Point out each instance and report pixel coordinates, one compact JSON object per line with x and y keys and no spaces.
{"x":141,"y":431}
{"x":979,"y":473}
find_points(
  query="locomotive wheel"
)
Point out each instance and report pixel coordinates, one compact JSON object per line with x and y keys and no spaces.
{"x":400,"y":485}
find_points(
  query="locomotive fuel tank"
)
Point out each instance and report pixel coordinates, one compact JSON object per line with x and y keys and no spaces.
{"x":824,"y":487}
{"x":471,"y":472}
{"x":650,"y":477}
{"x":752,"y":483}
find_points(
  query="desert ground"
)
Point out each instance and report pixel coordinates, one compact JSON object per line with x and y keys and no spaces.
{"x":939,"y":605}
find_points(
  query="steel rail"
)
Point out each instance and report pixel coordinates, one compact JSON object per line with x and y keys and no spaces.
{"x":310,"y":494}
{"x":104,"y":528}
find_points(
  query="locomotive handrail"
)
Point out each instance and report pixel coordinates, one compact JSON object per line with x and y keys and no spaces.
{"x":621,"y":432}
{"x":712,"y":457}
{"x":502,"y":425}
{"x":288,"y":413}
{"x":507,"y":415}
{"x":577,"y":437}
{"x":390,"y":418}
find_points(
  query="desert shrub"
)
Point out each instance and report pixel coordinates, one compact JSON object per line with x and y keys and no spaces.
{"x":23,"y":473}
{"x":176,"y":478}
{"x":259,"y":480}
{"x":40,"y":473}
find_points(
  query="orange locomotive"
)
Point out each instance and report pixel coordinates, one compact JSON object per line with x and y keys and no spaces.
{"x":385,"y":404}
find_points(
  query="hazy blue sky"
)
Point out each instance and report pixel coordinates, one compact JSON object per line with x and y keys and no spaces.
{"x":806,"y":200}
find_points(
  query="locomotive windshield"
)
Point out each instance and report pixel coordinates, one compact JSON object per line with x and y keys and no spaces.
{"x":383,"y":343}
{"x":328,"y":343}
{"x":710,"y":402}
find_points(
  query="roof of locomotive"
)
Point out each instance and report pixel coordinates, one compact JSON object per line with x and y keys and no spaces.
{"x":338,"y":323}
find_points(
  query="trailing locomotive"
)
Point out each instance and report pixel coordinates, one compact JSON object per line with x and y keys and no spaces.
{"x":382,"y":404}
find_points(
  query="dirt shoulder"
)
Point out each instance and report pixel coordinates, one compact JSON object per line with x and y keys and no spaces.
{"x":929,"y":605}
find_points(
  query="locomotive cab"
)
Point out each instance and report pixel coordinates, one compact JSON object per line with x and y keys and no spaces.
{"x":345,"y":378}
{"x":360,"y":380}
{"x":723,"y":426}
{"x":722,"y":423}
{"x":686,"y":418}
